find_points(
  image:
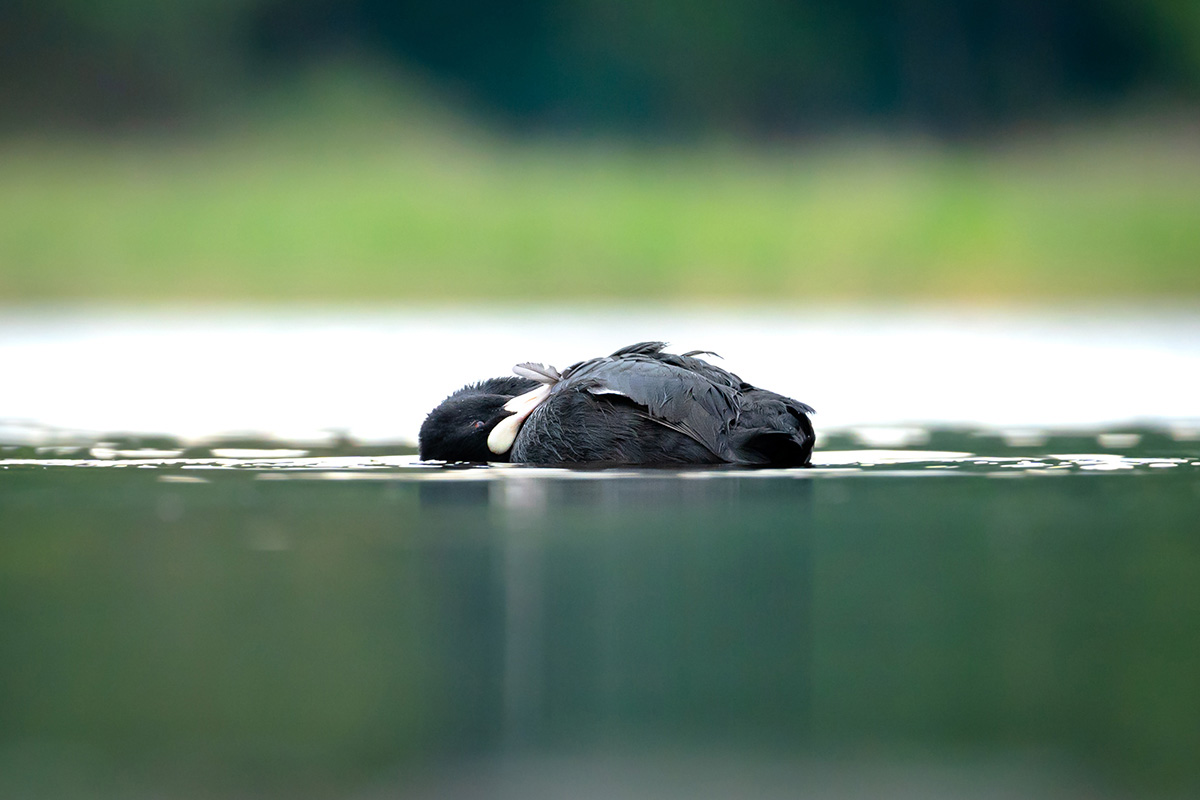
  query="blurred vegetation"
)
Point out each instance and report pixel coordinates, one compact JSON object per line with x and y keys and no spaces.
{"x":362,"y":150}
{"x":952,"y":67}
{"x":421,"y":208}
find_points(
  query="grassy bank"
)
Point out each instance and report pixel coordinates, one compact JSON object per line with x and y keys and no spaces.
{"x":381,"y":215}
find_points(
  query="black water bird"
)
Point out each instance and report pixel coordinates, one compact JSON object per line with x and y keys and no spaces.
{"x":638,"y":406}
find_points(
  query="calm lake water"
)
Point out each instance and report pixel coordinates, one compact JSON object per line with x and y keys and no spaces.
{"x":986,"y":609}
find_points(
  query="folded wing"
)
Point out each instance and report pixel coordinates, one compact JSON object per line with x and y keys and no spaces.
{"x":702,"y":406}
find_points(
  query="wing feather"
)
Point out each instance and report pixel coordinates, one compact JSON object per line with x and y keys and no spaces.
{"x":640,"y":349}
{"x":681,"y":399}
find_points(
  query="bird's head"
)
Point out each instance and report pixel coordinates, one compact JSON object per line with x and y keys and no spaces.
{"x":460,"y":427}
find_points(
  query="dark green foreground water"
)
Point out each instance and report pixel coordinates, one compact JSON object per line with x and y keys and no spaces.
{"x":1017,"y":624}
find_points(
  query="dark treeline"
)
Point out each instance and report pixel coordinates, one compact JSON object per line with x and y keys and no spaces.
{"x":951,"y":67}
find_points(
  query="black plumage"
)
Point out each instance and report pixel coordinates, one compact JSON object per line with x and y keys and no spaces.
{"x":638,"y":406}
{"x":458,"y":428}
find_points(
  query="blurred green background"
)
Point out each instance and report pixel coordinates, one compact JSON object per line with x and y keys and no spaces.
{"x":314,"y":150}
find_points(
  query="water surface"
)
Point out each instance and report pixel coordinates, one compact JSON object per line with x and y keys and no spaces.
{"x":924,"y":613}
{"x":224,"y":574}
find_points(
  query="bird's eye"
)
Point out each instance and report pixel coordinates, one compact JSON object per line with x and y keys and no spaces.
{"x":477,"y":424}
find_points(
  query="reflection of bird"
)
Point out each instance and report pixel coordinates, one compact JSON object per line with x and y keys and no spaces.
{"x":637,"y":406}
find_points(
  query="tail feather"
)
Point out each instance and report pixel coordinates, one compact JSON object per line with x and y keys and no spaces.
{"x":781,"y":448}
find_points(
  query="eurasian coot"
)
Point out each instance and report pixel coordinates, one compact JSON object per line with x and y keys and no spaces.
{"x":639,"y":406}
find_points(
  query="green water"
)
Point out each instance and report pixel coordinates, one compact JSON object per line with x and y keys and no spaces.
{"x":231,"y":628}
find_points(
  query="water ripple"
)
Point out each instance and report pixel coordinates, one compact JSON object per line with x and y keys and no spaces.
{"x":828,"y":463}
